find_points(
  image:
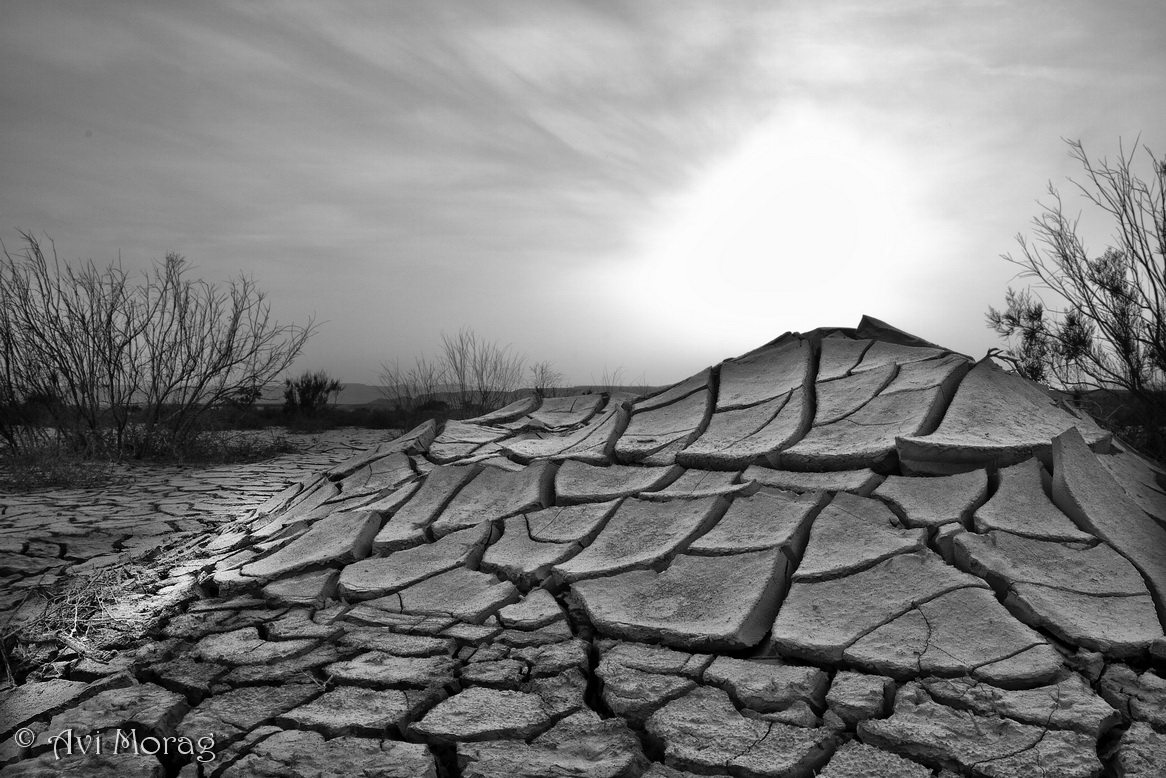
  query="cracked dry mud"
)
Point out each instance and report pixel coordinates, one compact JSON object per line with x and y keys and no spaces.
{"x":848,"y":553}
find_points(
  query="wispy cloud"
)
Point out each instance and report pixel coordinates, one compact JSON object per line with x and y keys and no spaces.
{"x":405,"y":167}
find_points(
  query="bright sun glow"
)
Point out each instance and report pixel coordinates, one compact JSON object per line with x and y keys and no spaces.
{"x":805,"y":224}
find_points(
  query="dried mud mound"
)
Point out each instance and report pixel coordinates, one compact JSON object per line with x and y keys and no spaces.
{"x":848,"y":553}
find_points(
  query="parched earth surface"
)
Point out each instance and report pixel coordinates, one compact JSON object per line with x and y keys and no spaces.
{"x":848,"y":553}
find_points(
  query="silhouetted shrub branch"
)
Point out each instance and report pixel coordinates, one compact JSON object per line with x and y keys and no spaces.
{"x":123,"y":368}
{"x":1105,"y":326}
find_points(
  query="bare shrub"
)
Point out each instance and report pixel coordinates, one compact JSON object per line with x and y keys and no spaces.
{"x":476,"y":375}
{"x":1105,"y":325}
{"x":544,"y":379}
{"x":123,"y":368}
{"x":310,"y":392}
{"x":412,"y":387}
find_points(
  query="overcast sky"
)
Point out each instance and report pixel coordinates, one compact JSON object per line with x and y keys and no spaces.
{"x":652,"y":186}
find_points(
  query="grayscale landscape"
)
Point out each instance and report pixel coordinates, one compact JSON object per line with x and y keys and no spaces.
{"x":544,"y":388}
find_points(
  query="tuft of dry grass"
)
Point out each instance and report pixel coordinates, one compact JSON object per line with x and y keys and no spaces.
{"x":223,"y":447}
{"x":87,"y":614}
{"x":52,"y":467}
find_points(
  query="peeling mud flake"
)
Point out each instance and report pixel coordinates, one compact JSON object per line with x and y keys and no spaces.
{"x":397,"y":643}
{"x":726,"y":428}
{"x":1141,"y":697}
{"x":467,"y":595}
{"x":634,"y":694}
{"x":764,"y":374}
{"x":1011,"y":559}
{"x":1119,"y":627}
{"x":642,"y":533}
{"x":853,"y":533}
{"x":738,"y":438}
{"x":285,"y":670}
{"x":654,"y":659}
{"x":300,"y":754}
{"x":639,"y":680}
{"x":932,"y":502}
{"x":996,"y":418}
{"x":384,"y":474}
{"x":558,"y":413}
{"x":854,"y":697}
{"x":1020,"y":506}
{"x":991,"y":746}
{"x":650,"y":431}
{"x":497,"y":674}
{"x":415,"y":441}
{"x":518,"y":557}
{"x":838,"y":354}
{"x":310,"y":589}
{"x":461,"y":438}
{"x":341,"y":537}
{"x":858,"y":760}
{"x":588,"y":443}
{"x":1141,"y":480}
{"x":350,"y":710}
{"x":33,"y":700}
{"x":703,"y":732}
{"x":1142,"y":752}
{"x":379,"y":670}
{"x":953,"y":634}
{"x":508,"y":413}
{"x":1089,"y":596}
{"x":230,"y":715}
{"x":570,"y":524}
{"x":536,"y":609}
{"x":495,"y":493}
{"x":91,"y":765}
{"x":578,"y":482}
{"x":581,"y":745}
{"x":554,"y":658}
{"x":1085,"y":490}
{"x":145,"y":706}
{"x":928,"y":373}
{"x":478,"y":713}
{"x":702,"y":603}
{"x":406,"y":526}
{"x":767,"y":686}
{"x":699,"y":483}
{"x":820,"y":619}
{"x":866,"y":438}
{"x":841,"y":397}
{"x":861,"y":482}
{"x":885,"y":352}
{"x":1068,"y":704}
{"x":770,"y":518}
{"x":378,"y":576}
{"x":245,"y":647}
{"x":690,"y":385}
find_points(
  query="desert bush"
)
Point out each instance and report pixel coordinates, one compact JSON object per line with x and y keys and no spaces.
{"x":544,"y":379}
{"x":124,"y":368}
{"x":414,"y":386}
{"x":230,"y":446}
{"x":50,"y":465}
{"x":310,"y":392}
{"x":1104,"y":326}
{"x":486,"y":373}
{"x":472,"y":375}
